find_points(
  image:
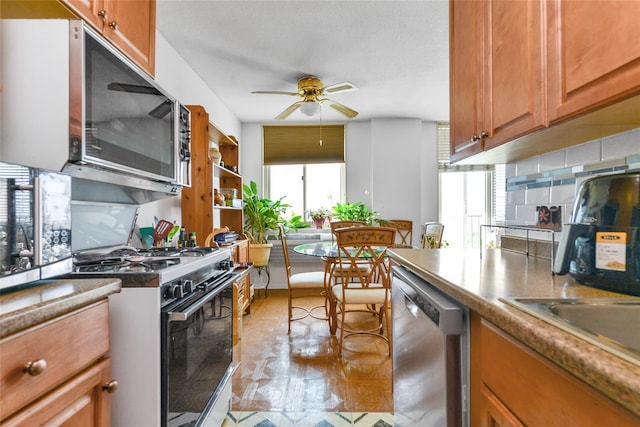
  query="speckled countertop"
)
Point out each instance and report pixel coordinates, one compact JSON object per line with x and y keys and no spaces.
{"x":478,"y":281}
{"x":48,"y":299}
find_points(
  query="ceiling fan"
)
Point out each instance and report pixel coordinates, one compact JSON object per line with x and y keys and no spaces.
{"x":311,"y":90}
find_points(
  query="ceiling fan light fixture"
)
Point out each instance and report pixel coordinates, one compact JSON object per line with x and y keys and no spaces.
{"x":310,"y":108}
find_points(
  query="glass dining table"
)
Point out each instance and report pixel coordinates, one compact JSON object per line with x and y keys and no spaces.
{"x":328,"y":251}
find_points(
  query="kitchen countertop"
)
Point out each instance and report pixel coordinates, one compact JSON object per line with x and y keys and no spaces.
{"x":48,"y":299}
{"x":478,"y":280}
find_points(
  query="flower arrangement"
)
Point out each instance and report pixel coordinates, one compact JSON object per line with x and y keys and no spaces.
{"x":318,"y":214}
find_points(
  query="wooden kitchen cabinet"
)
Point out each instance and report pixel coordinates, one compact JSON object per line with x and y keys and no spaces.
{"x":56,"y":373}
{"x":497,"y":73}
{"x":199,"y":212}
{"x":593,"y":54}
{"x":465,"y":64}
{"x":512,"y":385}
{"x":129,"y":24}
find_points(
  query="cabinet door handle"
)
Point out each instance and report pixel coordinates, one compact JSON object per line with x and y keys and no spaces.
{"x":110,"y":386}
{"x":113,"y":25}
{"x":35,"y":367}
{"x":103,"y":14}
{"x":483,"y":135}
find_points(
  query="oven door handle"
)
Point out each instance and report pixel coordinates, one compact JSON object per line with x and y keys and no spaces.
{"x":183,"y":315}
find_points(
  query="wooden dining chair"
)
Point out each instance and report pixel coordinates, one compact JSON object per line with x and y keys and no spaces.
{"x":360,"y":290}
{"x":404,"y":231}
{"x":301,"y":285}
{"x":432,"y":235}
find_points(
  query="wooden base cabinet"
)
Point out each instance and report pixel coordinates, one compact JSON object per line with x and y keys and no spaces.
{"x":57,"y":373}
{"x":511,"y":385}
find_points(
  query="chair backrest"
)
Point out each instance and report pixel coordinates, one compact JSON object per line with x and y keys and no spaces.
{"x":285,"y":251}
{"x":358,"y":245}
{"x":344,"y":224}
{"x":432,"y":236}
{"x":404,"y":227}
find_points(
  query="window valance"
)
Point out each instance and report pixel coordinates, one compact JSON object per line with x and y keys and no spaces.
{"x":301,"y":144}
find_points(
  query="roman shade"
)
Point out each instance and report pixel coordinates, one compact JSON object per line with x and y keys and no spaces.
{"x":301,"y":144}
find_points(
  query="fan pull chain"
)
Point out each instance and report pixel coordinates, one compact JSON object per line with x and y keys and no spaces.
{"x":320,"y":126}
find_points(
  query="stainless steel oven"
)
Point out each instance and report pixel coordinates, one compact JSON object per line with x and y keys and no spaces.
{"x":197,"y":354}
{"x":171,"y":332}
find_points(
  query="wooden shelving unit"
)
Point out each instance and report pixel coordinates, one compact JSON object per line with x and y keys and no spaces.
{"x":199,"y":212}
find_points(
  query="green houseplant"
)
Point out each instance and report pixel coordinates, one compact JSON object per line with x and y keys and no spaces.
{"x":357,"y":211}
{"x":261,"y":218}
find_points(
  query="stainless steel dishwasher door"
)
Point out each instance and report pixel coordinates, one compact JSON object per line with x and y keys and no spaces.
{"x":430,"y":354}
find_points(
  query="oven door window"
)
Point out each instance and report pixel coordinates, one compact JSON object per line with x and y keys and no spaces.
{"x":197,"y":354}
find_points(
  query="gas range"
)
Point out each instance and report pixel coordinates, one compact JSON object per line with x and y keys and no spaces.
{"x":152,"y":267}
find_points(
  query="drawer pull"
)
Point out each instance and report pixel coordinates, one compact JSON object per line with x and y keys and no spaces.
{"x":35,"y":368}
{"x":113,"y":25}
{"x":110,"y":386}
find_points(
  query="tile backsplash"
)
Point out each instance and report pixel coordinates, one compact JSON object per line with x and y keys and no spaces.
{"x":553,"y":179}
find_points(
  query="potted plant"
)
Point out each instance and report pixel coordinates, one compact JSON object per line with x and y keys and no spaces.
{"x":357,"y":211}
{"x":319,"y":216}
{"x":261,"y":218}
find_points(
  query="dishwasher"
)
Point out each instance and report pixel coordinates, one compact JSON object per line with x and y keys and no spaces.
{"x":430,"y":354}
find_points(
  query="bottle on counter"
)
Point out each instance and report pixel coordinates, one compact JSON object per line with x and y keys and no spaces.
{"x":192,"y":240}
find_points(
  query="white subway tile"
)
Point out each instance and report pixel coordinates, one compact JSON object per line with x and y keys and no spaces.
{"x":551,"y":161}
{"x":537,"y":196}
{"x":516,"y":197}
{"x":584,"y":153}
{"x":621,"y":145}
{"x":563,"y":194}
{"x":527,"y":166}
{"x":526,"y":214}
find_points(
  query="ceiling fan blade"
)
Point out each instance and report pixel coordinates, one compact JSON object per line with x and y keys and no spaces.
{"x":340,"y":108}
{"x":293,"y":107}
{"x":125,"y":87}
{"x":339,"y":87}
{"x":269,"y":92}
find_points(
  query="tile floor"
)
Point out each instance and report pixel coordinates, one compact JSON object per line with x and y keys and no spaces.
{"x":297,"y":379}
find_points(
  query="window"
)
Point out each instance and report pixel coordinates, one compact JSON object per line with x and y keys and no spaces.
{"x":306,"y":186}
{"x":304,"y":164}
{"x":470,"y":195}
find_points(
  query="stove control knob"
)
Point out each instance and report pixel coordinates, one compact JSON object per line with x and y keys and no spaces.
{"x":178,"y":291}
{"x":188,"y":286}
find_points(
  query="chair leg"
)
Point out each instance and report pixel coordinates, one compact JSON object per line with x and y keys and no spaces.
{"x":342,"y":320}
{"x":290,"y":310}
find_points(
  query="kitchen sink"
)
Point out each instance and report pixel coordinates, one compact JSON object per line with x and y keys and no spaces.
{"x":609,"y":323}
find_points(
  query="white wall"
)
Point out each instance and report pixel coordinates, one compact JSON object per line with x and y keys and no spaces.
{"x":179,"y":79}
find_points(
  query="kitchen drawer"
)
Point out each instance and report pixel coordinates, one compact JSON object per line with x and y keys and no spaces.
{"x":68,"y":344}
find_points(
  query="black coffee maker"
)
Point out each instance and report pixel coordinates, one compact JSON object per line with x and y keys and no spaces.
{"x":600,"y":247}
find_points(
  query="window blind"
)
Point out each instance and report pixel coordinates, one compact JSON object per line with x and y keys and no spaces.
{"x":301,"y":144}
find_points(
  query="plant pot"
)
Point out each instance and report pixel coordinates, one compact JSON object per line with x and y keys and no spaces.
{"x":319,"y":223}
{"x":259,"y":253}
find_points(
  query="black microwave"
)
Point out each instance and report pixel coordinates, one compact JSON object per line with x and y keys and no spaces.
{"x":73,"y":102}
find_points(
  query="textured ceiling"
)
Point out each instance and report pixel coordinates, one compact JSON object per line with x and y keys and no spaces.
{"x":396,"y":52}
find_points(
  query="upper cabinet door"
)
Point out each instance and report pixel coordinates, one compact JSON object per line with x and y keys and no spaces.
{"x":465,"y":77}
{"x":594,"y":54}
{"x":132,"y":27}
{"x":514,"y":85}
{"x":129,"y":24}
